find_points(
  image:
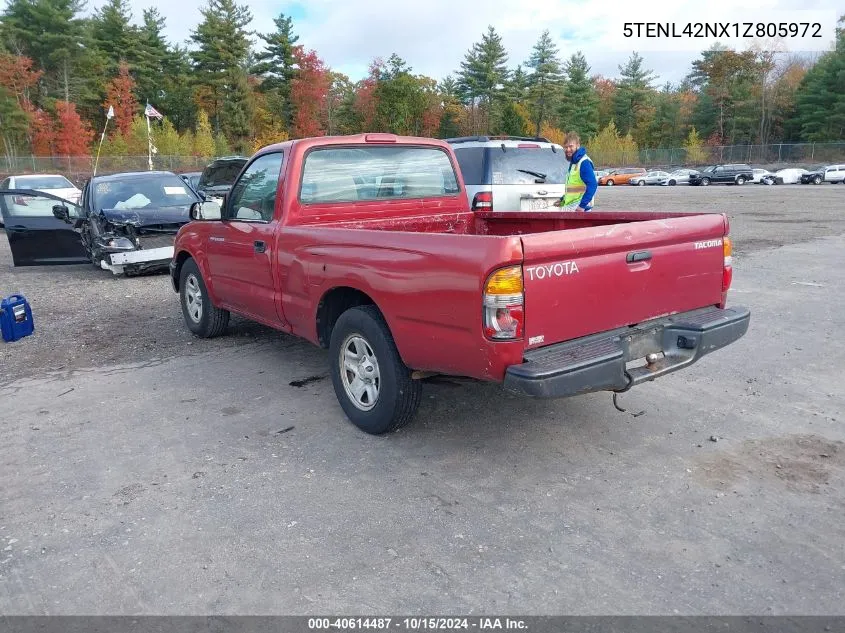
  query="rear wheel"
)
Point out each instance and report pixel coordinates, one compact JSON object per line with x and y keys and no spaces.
{"x":740,"y":180}
{"x":201,"y":316}
{"x":372,"y":384}
{"x":672,"y":183}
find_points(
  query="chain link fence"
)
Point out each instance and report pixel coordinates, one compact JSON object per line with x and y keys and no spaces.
{"x":775,"y":154}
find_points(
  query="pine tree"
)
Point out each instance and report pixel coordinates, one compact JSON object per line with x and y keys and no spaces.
{"x":579,"y":104}
{"x":276,"y":66}
{"x":484,"y":72}
{"x":52,"y":33}
{"x":222,"y":53}
{"x":114,"y":35}
{"x":665,"y":128}
{"x":633,"y":93}
{"x":237,"y":112}
{"x":544,"y":82}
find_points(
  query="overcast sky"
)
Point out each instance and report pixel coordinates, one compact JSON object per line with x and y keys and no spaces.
{"x":433,"y":35}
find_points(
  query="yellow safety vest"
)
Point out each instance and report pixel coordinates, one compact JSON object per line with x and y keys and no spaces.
{"x":575,"y":187}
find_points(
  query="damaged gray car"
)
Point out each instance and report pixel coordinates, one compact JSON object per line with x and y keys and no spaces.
{"x":125,"y":223}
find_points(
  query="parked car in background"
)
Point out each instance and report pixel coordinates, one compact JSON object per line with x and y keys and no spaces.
{"x":46,"y":183}
{"x":759,"y":174}
{"x":125,"y":223}
{"x":677,"y":177}
{"x":650,"y":178}
{"x":813,"y":176}
{"x":601,"y":173}
{"x":192,"y":178}
{"x":788,"y":176}
{"x":621,"y":176}
{"x":511,"y":173}
{"x":217,"y":178}
{"x":736,"y":174}
{"x":834,"y":174}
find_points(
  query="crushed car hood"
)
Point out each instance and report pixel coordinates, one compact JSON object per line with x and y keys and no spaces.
{"x":147,"y":217}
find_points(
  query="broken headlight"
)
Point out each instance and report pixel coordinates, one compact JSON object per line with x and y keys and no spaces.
{"x":121,"y":243}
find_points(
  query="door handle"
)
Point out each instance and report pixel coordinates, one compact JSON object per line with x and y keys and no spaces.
{"x":259,"y":246}
{"x":638,"y":256}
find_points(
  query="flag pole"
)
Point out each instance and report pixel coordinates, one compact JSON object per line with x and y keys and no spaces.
{"x":149,"y":139}
{"x":102,"y":138}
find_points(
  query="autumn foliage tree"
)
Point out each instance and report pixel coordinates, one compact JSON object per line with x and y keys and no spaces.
{"x":73,"y":135}
{"x":120,"y":94}
{"x":308,"y":94}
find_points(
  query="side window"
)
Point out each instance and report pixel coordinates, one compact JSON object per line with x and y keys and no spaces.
{"x":254,"y":196}
{"x":471,"y":161}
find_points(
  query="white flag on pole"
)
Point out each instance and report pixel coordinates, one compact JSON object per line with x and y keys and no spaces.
{"x":110,"y":113}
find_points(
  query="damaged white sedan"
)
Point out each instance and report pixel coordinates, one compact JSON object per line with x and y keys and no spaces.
{"x":125,"y":223}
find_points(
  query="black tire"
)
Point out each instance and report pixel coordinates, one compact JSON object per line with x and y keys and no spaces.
{"x":740,"y":180}
{"x":209,"y":321}
{"x":609,"y":183}
{"x":398,"y":395}
{"x":641,"y":183}
{"x":705,"y":182}
{"x":672,"y":183}
{"x":817,"y":180}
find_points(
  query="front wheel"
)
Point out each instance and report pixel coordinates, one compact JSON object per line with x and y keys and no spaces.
{"x":740,"y":180}
{"x":817,"y":180}
{"x":672,"y":183}
{"x":641,"y":183}
{"x":609,"y":183}
{"x":201,"y":316}
{"x":705,"y":181}
{"x":372,"y":384}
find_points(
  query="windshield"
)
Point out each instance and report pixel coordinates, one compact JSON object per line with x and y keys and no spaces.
{"x":526,"y":166}
{"x":43,"y":182}
{"x":221,"y":174}
{"x":140,"y":193}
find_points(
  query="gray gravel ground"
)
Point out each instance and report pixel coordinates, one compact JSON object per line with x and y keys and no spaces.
{"x":148,"y":472}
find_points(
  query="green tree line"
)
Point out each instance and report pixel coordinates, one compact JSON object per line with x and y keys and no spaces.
{"x":60,"y":70}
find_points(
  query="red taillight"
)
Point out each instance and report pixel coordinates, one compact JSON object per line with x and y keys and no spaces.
{"x":727,"y":266}
{"x":483,"y":200}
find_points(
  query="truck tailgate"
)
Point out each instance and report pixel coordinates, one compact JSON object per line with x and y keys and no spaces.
{"x":587,"y":280}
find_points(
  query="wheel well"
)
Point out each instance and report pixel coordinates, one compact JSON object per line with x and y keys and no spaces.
{"x":180,"y":259}
{"x":334,"y":303}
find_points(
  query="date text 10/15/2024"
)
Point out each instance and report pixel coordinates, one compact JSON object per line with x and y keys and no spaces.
{"x":417,"y":624}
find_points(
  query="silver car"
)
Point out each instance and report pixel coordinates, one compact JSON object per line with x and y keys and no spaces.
{"x":511,"y":173}
{"x":677,"y":177}
{"x":649,"y":178}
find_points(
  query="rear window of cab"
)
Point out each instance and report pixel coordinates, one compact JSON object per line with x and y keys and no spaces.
{"x":353,"y":174}
{"x":512,"y":165}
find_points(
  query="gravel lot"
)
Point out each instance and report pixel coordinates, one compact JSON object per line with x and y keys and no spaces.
{"x":147,"y":472}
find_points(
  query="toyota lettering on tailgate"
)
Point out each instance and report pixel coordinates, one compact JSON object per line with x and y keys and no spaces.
{"x":552,"y":270}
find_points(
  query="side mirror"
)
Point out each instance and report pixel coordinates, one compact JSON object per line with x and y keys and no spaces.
{"x":61,"y":213}
{"x":205,"y":211}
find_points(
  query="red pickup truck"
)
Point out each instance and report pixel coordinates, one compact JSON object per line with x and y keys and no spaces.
{"x":367,"y":245}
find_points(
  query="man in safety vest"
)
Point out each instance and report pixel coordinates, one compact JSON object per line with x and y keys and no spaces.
{"x":581,"y":183}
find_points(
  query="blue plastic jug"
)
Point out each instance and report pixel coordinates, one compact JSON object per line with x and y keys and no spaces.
{"x":15,"y":318}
